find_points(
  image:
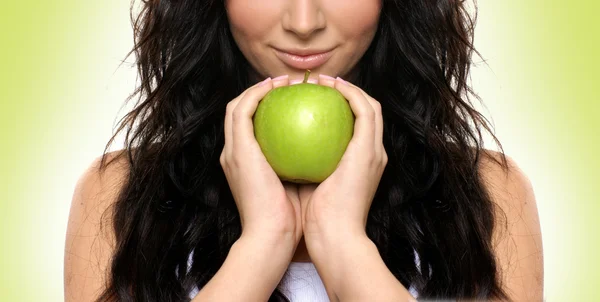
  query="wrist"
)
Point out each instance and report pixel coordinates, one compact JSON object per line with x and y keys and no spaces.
{"x":278,"y":243}
{"x":236,"y":278}
{"x":327,"y":247}
{"x":351,"y":266}
{"x":338,"y":258}
{"x":335,"y":233}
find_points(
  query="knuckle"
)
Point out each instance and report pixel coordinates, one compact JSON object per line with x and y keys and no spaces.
{"x":376,"y":106}
{"x":236,"y":159}
{"x":223,"y":160}
{"x":237,"y":115}
{"x":372,"y":158}
{"x":370,"y":114}
{"x":230,"y":106}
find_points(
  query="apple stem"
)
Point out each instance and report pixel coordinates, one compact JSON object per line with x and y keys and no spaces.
{"x":306,"y":75}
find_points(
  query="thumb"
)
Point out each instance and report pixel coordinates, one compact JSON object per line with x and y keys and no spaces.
{"x":306,"y":191}
{"x":291,"y":189}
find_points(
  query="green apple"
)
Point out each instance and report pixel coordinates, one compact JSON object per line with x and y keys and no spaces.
{"x":303,"y":130}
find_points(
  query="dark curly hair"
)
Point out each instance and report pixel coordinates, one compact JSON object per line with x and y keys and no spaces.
{"x":176,"y":201}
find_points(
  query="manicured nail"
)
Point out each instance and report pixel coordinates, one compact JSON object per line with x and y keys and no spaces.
{"x":295,"y":81}
{"x":264,"y":82}
{"x":326,"y":77}
{"x":342,"y":80}
{"x":313,"y":81}
{"x":281,"y":77}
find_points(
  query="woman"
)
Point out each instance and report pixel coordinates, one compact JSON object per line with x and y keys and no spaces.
{"x":192,"y":210}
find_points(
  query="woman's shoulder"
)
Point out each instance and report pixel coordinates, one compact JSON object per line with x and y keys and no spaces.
{"x":90,"y":238}
{"x":103,"y":179}
{"x":508,"y":186}
{"x":504,"y":180}
{"x":98,"y":187}
{"x":517,"y":238}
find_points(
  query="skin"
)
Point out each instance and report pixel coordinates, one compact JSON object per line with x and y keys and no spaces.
{"x":300,"y":223}
{"x":350,"y":26}
{"x":346,"y":26}
{"x":302,"y":24}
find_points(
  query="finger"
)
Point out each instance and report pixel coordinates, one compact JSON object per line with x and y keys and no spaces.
{"x":326,"y":80}
{"x":228,"y":131}
{"x":364,"y":125}
{"x":379,"y":148}
{"x":241,"y":123}
{"x":305,"y":191}
{"x":378,"y":118}
{"x":291,"y":189}
{"x":330,"y":81}
{"x":228,"y":122}
{"x":283,"y":80}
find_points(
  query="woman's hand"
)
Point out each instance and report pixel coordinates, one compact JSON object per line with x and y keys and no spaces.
{"x":269,"y":209}
{"x":338,"y":207}
{"x":335,"y":212}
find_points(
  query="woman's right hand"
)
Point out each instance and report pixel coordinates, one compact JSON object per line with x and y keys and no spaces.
{"x":269,"y":208}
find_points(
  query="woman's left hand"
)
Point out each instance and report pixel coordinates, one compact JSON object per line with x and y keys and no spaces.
{"x":334,"y":213}
{"x":338,"y":207}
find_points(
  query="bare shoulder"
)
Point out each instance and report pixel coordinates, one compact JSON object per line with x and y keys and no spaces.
{"x":508,"y":185}
{"x":90,"y":238}
{"x":517,"y":234}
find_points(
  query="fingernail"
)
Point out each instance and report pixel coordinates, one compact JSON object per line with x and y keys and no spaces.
{"x":313,"y":81}
{"x":264,"y":82}
{"x":342,"y":80}
{"x":281,"y":77}
{"x":326,"y":77}
{"x":295,"y":81}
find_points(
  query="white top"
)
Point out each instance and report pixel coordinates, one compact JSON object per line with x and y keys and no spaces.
{"x":301,"y":283}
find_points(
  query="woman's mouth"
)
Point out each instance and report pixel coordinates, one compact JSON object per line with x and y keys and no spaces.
{"x":303,"y":62}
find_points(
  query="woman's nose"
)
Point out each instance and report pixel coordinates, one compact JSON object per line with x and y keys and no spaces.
{"x":304,"y":17}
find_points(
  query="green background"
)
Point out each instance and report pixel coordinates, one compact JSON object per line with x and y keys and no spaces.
{"x":62,"y":91}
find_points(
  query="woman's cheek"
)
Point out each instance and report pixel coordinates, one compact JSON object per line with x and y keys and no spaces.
{"x":252,"y":19}
{"x":353,"y":18}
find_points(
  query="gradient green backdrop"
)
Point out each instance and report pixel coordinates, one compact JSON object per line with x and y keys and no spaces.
{"x":61,"y":91}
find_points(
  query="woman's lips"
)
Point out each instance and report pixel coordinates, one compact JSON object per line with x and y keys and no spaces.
{"x":303,"y":62}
